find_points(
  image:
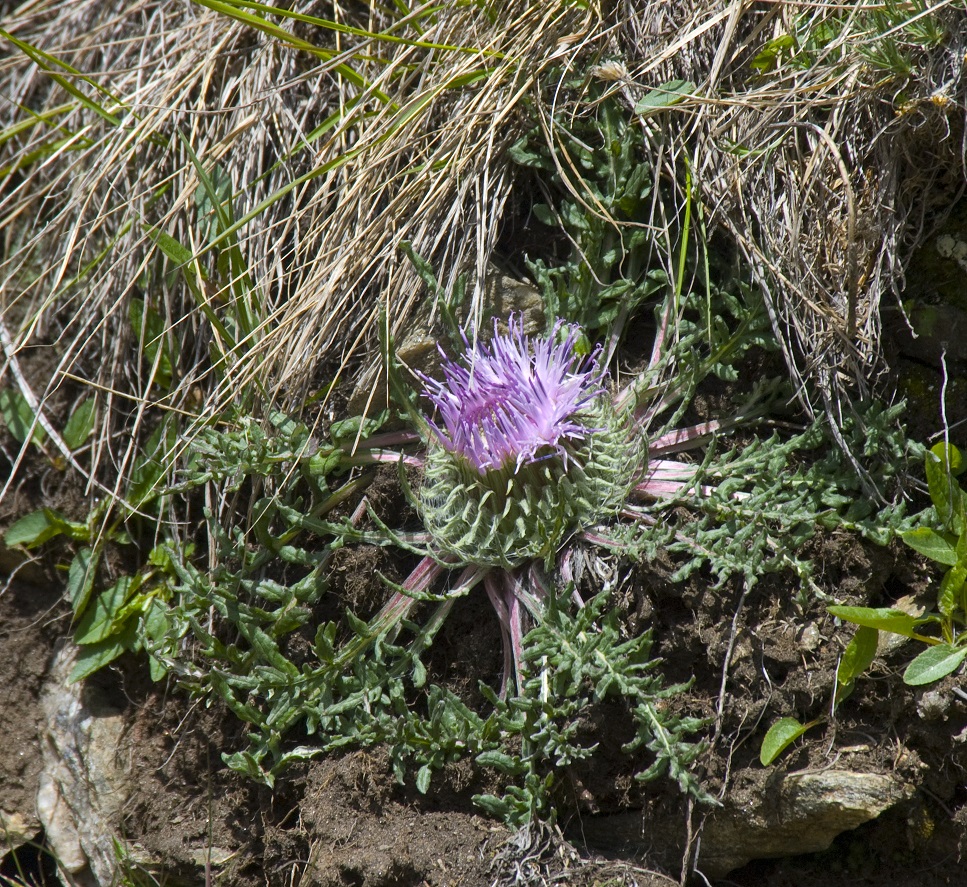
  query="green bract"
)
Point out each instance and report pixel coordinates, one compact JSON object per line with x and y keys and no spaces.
{"x":511,"y":515}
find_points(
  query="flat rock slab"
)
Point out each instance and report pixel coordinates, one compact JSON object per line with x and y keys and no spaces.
{"x":792,"y":814}
{"x":84,"y":784}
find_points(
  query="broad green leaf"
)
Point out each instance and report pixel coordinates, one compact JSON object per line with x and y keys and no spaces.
{"x":419,"y":673}
{"x":359,"y":626}
{"x":19,"y":418}
{"x":950,"y":589}
{"x":157,"y":670}
{"x":80,"y":424}
{"x":152,"y":465}
{"x":172,"y":248}
{"x":98,"y":621}
{"x":213,"y":200}
{"x":858,"y":655}
{"x":931,"y":544}
{"x":664,"y":96}
{"x":33,"y":529}
{"x":496,"y":807}
{"x":324,"y":462}
{"x":934,"y":663}
{"x":345,"y":432}
{"x":423,"y":779}
{"x":156,"y":620}
{"x":80,"y":579}
{"x":943,"y":463}
{"x":781,"y":735}
{"x":768,"y":56}
{"x":499,"y":760}
{"x":951,"y":457}
{"x":94,"y":657}
{"x":881,"y":618}
{"x":39,"y":526}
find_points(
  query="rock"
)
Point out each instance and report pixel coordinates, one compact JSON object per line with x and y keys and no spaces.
{"x":933,"y":705}
{"x":18,"y":828}
{"x":787,"y":815}
{"x":804,"y":815}
{"x":87,"y":784}
{"x":84,"y":784}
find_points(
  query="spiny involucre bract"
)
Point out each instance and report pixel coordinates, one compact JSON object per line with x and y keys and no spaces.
{"x":527,"y":448}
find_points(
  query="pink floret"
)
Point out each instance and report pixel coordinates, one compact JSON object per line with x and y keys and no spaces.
{"x":513,"y":399}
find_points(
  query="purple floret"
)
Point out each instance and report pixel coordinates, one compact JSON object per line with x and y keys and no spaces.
{"x":509,"y":401}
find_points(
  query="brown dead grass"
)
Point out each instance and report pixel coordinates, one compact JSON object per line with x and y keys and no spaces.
{"x":340,"y":145}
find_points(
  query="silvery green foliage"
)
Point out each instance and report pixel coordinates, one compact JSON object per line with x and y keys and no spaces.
{"x":362,"y":682}
{"x":572,"y":663}
{"x":753,"y":508}
{"x":358,"y":683}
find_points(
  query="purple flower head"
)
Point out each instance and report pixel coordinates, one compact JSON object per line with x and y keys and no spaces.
{"x":511,"y":400}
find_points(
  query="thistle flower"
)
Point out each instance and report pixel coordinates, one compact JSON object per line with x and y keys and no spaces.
{"x":530,"y":450}
{"x":516,"y":399}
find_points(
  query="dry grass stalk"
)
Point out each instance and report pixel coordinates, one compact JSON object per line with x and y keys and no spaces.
{"x":336,"y":148}
{"x":340,"y":142}
{"x":824,"y":173}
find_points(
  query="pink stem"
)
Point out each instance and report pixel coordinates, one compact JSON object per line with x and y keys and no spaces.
{"x":516,"y":631}
{"x":495,"y":594}
{"x":389,"y":439}
{"x":422,"y":577}
{"x":682,"y":438}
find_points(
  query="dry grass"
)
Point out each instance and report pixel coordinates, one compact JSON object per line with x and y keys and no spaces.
{"x":342,"y":140}
{"x":823,"y":173}
{"x":339,"y":144}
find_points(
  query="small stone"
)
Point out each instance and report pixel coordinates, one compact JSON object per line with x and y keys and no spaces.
{"x":786,"y":815}
{"x":18,"y":828}
{"x":810,"y":637}
{"x":933,"y":705}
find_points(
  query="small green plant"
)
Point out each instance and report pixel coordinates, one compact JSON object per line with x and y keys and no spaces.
{"x":601,"y":200}
{"x":116,"y":610}
{"x":943,"y":540}
{"x":855,"y":660}
{"x":889,"y":38}
{"x":572,"y":662}
{"x":26,"y":426}
{"x":364,"y":681}
{"x":109,"y":611}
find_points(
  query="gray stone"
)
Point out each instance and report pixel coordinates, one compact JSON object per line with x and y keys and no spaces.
{"x":782,"y":815}
{"x":17,"y":828}
{"x":804,"y":815}
{"x":84,"y":784}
